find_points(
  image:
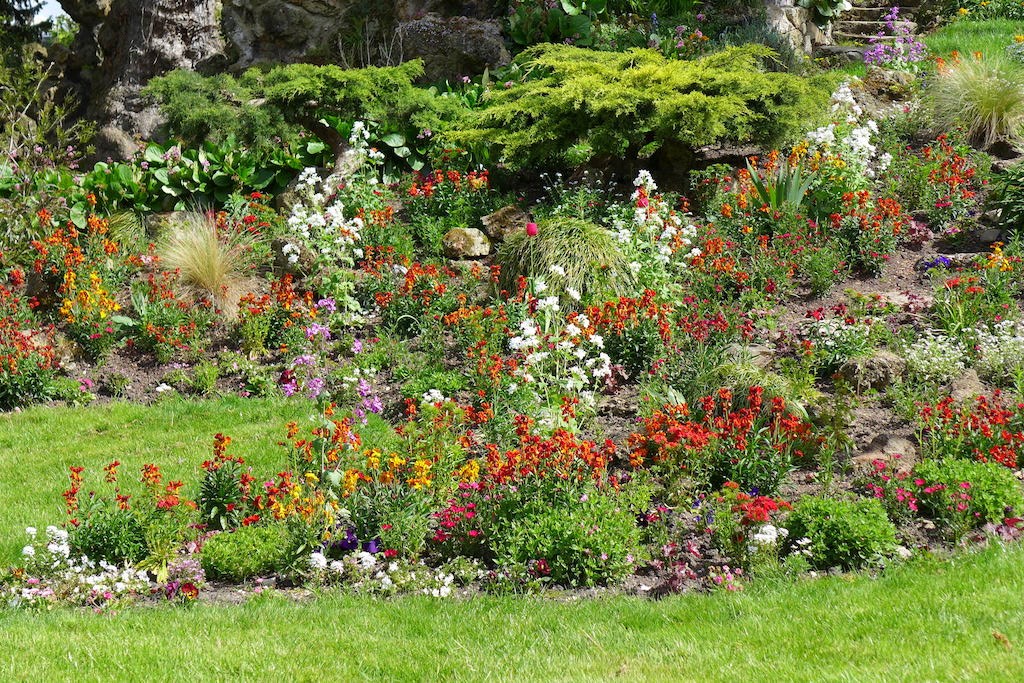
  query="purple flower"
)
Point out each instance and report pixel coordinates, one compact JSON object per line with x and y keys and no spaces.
{"x":372,"y":547}
{"x":364,"y":388}
{"x":316,"y":329}
{"x":349,"y":543}
{"x":357,"y":346}
{"x":304,"y":360}
{"x":315,"y":387}
{"x":327,"y":304}
{"x":374,"y":405}
{"x":289,"y":388}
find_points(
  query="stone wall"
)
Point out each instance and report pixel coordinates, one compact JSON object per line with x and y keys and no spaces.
{"x":794,"y":23}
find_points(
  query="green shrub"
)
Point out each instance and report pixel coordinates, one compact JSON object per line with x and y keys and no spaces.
{"x":576,"y":536}
{"x":204,"y":378}
{"x":246,"y":553}
{"x":843,"y":533}
{"x":116,"y":536}
{"x":263,"y":104}
{"x":588,"y":253}
{"x":985,"y":490}
{"x":577,"y":104}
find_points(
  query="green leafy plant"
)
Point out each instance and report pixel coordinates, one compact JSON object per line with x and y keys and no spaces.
{"x":842,"y":533}
{"x":825,"y":10}
{"x":246,"y":553}
{"x":787,"y":185}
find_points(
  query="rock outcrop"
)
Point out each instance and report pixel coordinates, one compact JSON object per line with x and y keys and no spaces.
{"x":122,"y":44}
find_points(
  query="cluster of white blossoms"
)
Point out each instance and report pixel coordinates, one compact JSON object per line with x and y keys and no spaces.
{"x":837,"y":339}
{"x":53,"y":575}
{"x":364,"y":572}
{"x":559,"y":356}
{"x":657,"y":223}
{"x":935,"y":358}
{"x":1000,"y":351}
{"x":319,"y":222}
{"x":853,"y":135}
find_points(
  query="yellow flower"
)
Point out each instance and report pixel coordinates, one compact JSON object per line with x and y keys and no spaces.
{"x":311,"y":479}
{"x":963,"y":11}
{"x":469,"y":472}
{"x":1018,"y":38}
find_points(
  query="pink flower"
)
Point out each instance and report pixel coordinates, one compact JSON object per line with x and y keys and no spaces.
{"x":531,"y":229}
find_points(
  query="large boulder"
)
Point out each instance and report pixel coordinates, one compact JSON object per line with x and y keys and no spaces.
{"x":125,"y":43}
{"x":453,"y":46}
{"x":465,"y":243}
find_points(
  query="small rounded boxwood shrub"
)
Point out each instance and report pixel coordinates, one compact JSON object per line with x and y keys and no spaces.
{"x":843,"y":533}
{"x":985,"y":490}
{"x":245,"y":553}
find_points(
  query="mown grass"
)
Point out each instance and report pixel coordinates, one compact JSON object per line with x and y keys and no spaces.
{"x":37,"y":446}
{"x":988,"y":37}
{"x":933,"y":621}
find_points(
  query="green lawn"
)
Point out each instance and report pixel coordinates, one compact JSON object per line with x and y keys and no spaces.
{"x":37,"y":447}
{"x":967,"y":37}
{"x":929,"y":621}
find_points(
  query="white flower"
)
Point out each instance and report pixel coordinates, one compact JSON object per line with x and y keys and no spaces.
{"x":558,"y":270}
{"x":574,"y":294}
{"x":539,"y":287}
{"x":31,"y":531}
{"x":29,"y":551}
{"x":549,"y":303}
{"x":434,"y":396}
{"x":318,"y":561}
{"x":572,"y":330}
{"x":161,"y":388}
{"x":597,"y":340}
{"x":366,"y":560}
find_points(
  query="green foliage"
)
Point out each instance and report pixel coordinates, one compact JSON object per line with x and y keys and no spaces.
{"x":220,"y":496}
{"x":787,"y":185}
{"x":825,"y":10}
{"x":984,"y":96}
{"x":843,"y":533}
{"x":324,"y":100}
{"x":603,"y":104}
{"x":574,"y":535}
{"x":18,"y":23}
{"x":587,"y":252}
{"x":116,"y":536}
{"x":246,"y":553}
{"x":1009,"y":196}
{"x":989,"y":491}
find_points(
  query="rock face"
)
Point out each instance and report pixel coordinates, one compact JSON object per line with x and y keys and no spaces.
{"x":122,"y":44}
{"x":454,"y":46}
{"x":465,"y":243}
{"x":504,"y":222}
{"x":877,"y":371}
{"x":795,"y":24}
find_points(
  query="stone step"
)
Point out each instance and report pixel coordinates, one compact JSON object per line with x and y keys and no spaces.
{"x":843,"y":38}
{"x":908,"y":6}
{"x":872,"y":27}
{"x":872,"y":14}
